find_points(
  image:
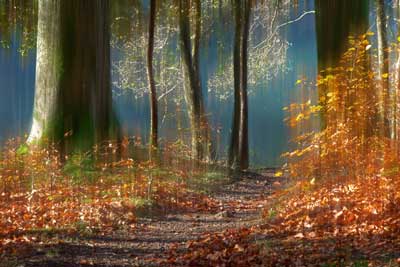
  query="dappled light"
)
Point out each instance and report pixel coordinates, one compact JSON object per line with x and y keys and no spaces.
{"x":199,"y":133}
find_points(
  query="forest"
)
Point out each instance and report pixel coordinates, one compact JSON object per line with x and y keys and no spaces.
{"x":199,"y":133}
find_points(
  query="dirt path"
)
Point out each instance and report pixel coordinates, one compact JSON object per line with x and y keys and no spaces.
{"x":240,"y":204}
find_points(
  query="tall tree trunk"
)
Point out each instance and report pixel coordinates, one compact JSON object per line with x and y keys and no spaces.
{"x":244,"y":113}
{"x":201,"y":141}
{"x":383,"y":68}
{"x":48,"y":74}
{"x":234,"y":151}
{"x":152,"y":84}
{"x":238,"y":157}
{"x":73,"y":101}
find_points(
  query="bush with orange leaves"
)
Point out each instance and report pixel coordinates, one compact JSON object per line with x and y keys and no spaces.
{"x":349,"y":138}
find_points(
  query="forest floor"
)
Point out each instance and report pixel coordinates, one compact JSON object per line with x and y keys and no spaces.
{"x":260,"y":219}
{"x":155,"y":240}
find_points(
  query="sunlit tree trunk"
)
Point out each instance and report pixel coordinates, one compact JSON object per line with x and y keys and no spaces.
{"x":383,"y":68}
{"x":48,"y":64}
{"x":73,"y":101}
{"x":200,"y":132}
{"x":152,"y":84}
{"x":238,"y":158}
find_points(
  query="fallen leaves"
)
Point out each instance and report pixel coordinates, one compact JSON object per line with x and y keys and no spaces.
{"x":229,"y":248}
{"x":336,"y":223}
{"x":37,"y":192}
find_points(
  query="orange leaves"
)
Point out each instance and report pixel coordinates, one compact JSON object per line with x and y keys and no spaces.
{"x":83,"y":194}
{"x":333,"y":217}
{"x":229,"y":248}
{"x":349,"y":105}
{"x":68,"y":208}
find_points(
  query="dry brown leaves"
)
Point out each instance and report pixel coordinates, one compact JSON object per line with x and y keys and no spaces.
{"x":341,"y":223}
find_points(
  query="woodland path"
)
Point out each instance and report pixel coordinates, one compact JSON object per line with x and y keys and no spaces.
{"x":239,"y":203}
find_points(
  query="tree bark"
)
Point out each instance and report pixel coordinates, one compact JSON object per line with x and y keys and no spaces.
{"x":238,"y":158}
{"x":48,"y":74}
{"x":200,"y":133}
{"x":73,"y":101}
{"x":244,"y":128}
{"x":383,"y":68}
{"x":151,"y":81}
{"x":234,"y":157}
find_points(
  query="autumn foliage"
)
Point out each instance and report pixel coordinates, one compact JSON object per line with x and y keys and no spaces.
{"x":345,"y":205}
{"x":40,"y":192}
{"x":341,"y":204}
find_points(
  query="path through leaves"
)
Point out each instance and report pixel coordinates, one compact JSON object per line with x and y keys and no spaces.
{"x":230,"y":210}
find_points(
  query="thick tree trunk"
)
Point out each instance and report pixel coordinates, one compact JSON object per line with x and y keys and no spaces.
{"x":74,"y":69}
{"x":48,"y":74}
{"x":152,"y":84}
{"x":336,"y":20}
{"x":200,"y":133}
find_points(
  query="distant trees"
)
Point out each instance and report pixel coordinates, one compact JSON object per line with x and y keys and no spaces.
{"x":193,"y":25}
{"x":22,"y":15}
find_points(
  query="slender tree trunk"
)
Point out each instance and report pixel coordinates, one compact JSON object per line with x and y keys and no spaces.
{"x":238,"y":158}
{"x":244,"y":128}
{"x":234,"y":151}
{"x":73,"y":79}
{"x":152,"y":84}
{"x":383,"y":68}
{"x":196,"y":41}
{"x":201,"y":143}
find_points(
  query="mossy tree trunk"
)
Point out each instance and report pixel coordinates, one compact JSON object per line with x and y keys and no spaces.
{"x":73,"y":100}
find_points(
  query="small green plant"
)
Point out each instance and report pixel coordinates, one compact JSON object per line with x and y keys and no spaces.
{"x":81,"y":168}
{"x":82,"y":226}
{"x":271,"y":213}
{"x":23,"y":149}
{"x":360,"y":263}
{"x":52,"y":253}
